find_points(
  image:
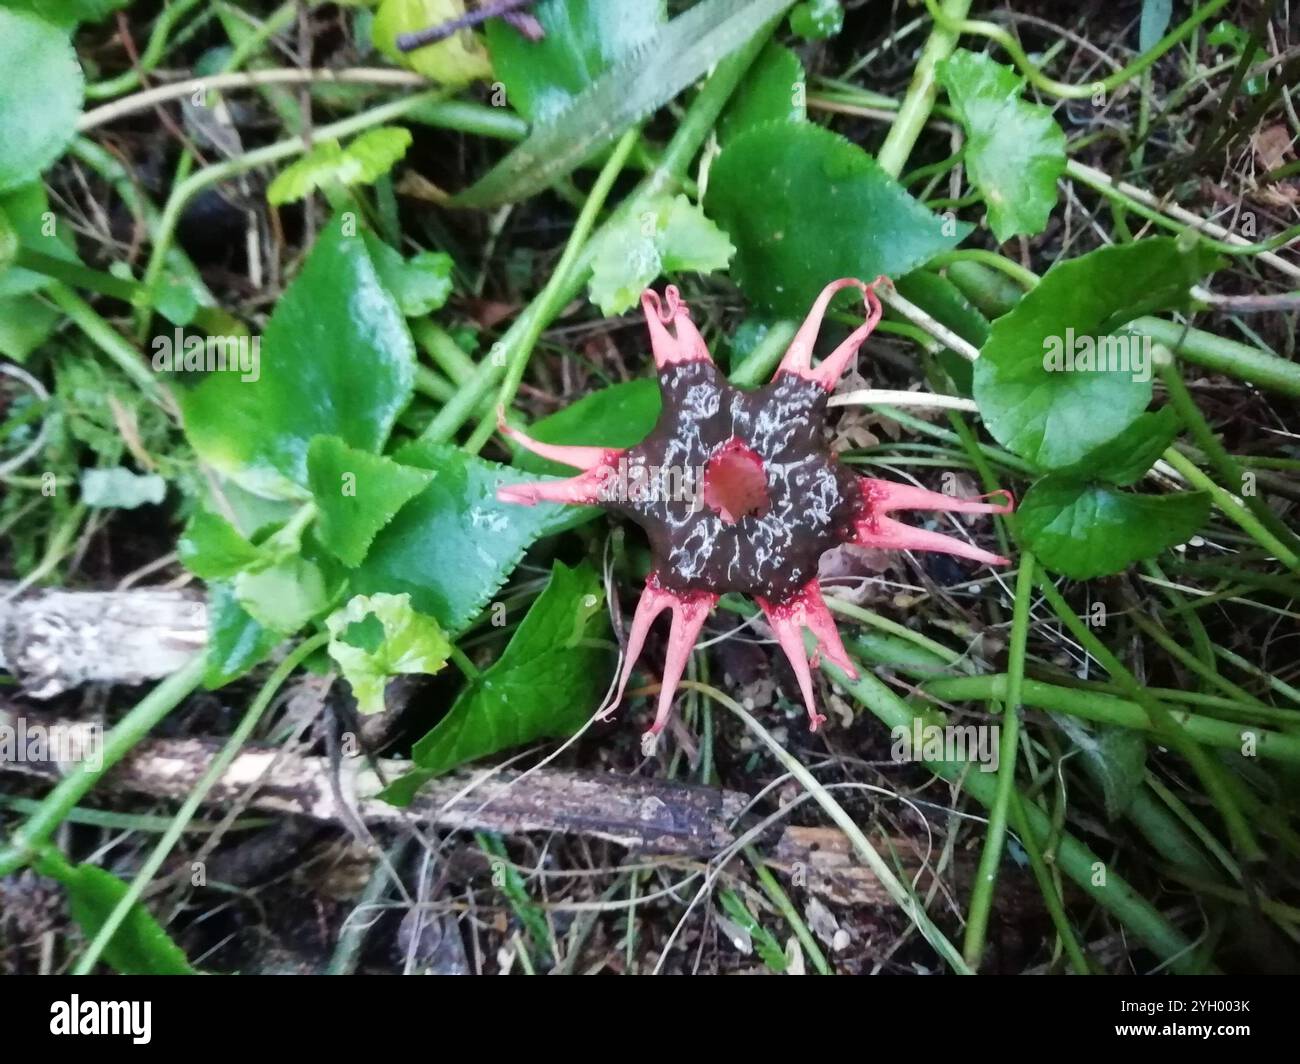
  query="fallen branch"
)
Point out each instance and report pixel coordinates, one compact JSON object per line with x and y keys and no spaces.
{"x":53,"y":641}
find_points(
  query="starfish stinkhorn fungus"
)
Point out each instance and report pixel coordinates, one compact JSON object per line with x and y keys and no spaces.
{"x":773,"y":500}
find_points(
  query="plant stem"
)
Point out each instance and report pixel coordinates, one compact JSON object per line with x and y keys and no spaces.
{"x":190,"y":806}
{"x":922,"y":92}
{"x":992,"y":31}
{"x":117,"y":744}
{"x":1073,"y":858}
{"x":986,"y":876}
{"x":773,"y":889}
{"x":691,"y":133}
{"x":550,"y":301}
{"x":1233,"y":510}
{"x":183,"y":192}
{"x":905,"y":899}
{"x":1166,"y":723}
{"x":105,"y":337}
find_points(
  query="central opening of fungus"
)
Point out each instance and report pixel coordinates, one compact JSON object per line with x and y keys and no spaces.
{"x":735,"y":483}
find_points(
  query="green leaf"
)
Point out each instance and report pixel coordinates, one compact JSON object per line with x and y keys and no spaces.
{"x":336,"y":360}
{"x":285,"y":596}
{"x":670,"y":235}
{"x":1084,"y":530}
{"x":773,"y":91}
{"x":1037,"y":381}
{"x":454,"y":544}
{"x":8,"y":242}
{"x":805,"y":206}
{"x":677,"y":56}
{"x":408,"y":643}
{"x":120,"y":488}
{"x":618,"y":416}
{"x":546,"y":683}
{"x":212,"y":549}
{"x":456,"y":61}
{"x":362,"y":162}
{"x":582,"y":39}
{"x":139,"y":946}
{"x":357,"y":493}
{"x":41,"y":87}
{"x":1015,"y":151}
{"x":815,"y":20}
{"x":26,"y":322}
{"x":1115,"y":757}
{"x":67,"y":13}
{"x":420,"y":284}
{"x":1154,"y":23}
{"x":1125,"y":459}
{"x":236,"y":642}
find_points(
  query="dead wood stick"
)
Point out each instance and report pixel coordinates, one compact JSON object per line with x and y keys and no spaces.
{"x":54,"y":641}
{"x":644,"y":815}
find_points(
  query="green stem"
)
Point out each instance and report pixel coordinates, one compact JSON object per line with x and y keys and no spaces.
{"x":38,"y":828}
{"x":691,"y":133}
{"x":149,"y":58}
{"x":902,"y":896}
{"x":986,"y":877}
{"x":922,"y":92}
{"x":190,"y":806}
{"x":548,"y":304}
{"x":1233,"y":510}
{"x":105,"y":337}
{"x":183,"y":192}
{"x":773,"y":889}
{"x":1162,"y":720}
{"x":761,"y":362}
{"x":1038,"y":79}
{"x":1119,"y":712}
{"x":1073,"y":858}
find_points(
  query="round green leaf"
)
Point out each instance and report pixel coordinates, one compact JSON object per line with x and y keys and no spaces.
{"x":804,"y":206}
{"x":1055,"y":380}
{"x":1088,"y":530}
{"x":41,"y":88}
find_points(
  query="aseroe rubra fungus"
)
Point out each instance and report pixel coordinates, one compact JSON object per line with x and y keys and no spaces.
{"x":774,"y":498}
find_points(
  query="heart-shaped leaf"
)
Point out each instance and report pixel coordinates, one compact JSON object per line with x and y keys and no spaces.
{"x":804,"y":206}
{"x":41,"y":87}
{"x":336,"y":360}
{"x":581,"y":40}
{"x":546,"y":683}
{"x":1085,"y":530}
{"x":357,"y":493}
{"x":1015,"y":151}
{"x":454,"y":544}
{"x":1051,"y":383}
